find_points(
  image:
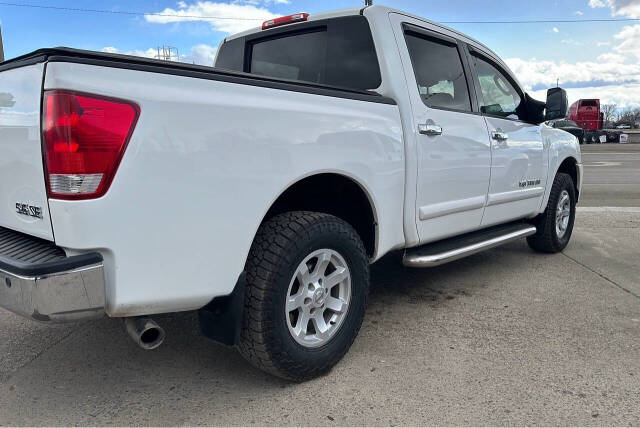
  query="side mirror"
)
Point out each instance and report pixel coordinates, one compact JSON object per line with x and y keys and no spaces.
{"x":557,"y":104}
{"x":535,"y":110}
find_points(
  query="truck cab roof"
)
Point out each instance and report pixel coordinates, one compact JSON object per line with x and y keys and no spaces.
{"x":372,"y":12}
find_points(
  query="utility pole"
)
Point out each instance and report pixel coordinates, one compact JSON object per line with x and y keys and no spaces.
{"x":1,"y":47}
{"x":168,"y":53}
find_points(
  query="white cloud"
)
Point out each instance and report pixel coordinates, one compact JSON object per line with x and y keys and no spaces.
{"x":571,"y":42}
{"x":630,"y":41}
{"x":629,"y":8}
{"x":625,"y":95}
{"x":578,"y":12}
{"x":611,"y":58}
{"x":149,"y":53}
{"x":613,"y":76}
{"x":200,"y":54}
{"x":536,"y":73}
{"x":555,"y":30}
{"x":257,"y":2}
{"x":251,"y":14}
{"x":203,"y":54}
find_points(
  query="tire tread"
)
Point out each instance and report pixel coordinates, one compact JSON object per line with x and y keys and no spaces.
{"x":275,"y":244}
{"x":545,"y":240}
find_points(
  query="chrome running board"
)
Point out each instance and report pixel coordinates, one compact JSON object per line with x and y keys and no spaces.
{"x":448,"y":250}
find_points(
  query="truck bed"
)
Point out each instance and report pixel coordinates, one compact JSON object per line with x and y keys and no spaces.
{"x":103,"y":59}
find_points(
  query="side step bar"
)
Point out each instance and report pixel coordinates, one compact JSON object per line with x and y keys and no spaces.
{"x":448,"y":250}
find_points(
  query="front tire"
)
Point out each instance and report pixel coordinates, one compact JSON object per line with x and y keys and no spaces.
{"x":555,"y":225}
{"x":307,"y":288}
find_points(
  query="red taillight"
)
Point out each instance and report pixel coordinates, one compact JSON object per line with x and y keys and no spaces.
{"x":84,"y":138}
{"x":284,"y":20}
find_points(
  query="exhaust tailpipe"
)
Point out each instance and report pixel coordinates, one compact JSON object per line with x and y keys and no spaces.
{"x":145,"y":332}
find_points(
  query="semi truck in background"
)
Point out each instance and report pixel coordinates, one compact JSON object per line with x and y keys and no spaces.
{"x":586,"y":113}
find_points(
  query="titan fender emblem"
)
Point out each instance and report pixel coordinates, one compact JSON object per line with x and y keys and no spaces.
{"x":528,"y":183}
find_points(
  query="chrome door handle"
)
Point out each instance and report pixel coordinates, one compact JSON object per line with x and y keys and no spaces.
{"x":499,"y":135}
{"x":429,"y":129}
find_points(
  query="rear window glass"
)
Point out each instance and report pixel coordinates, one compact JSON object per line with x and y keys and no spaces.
{"x":336,"y":52}
{"x":292,"y":57}
{"x":231,"y":55}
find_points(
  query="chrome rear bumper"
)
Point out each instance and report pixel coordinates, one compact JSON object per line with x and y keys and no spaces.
{"x":39,"y":282}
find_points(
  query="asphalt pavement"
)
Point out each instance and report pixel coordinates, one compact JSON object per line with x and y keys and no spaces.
{"x":505,"y":337}
{"x":612,"y":175}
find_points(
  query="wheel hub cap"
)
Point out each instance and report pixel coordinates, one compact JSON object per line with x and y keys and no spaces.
{"x":318,"y":298}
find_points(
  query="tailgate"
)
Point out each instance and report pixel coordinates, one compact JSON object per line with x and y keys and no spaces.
{"x":23,"y":195}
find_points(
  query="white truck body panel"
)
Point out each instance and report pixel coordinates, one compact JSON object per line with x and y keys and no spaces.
{"x":519,"y":158}
{"x":21,"y":168}
{"x":176,"y":227}
{"x":559,"y":146}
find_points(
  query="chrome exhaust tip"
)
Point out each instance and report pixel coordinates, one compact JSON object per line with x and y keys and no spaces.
{"x":145,"y":332}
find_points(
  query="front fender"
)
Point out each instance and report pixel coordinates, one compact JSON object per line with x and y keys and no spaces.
{"x":560,"y":146}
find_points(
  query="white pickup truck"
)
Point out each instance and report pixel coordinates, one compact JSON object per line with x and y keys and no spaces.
{"x":259,"y":191}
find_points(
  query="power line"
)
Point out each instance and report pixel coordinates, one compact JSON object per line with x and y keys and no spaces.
{"x":544,"y":21}
{"x":121,"y":12}
{"x":175,"y":15}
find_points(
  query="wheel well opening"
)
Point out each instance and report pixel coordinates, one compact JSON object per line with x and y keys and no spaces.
{"x":331,"y":194}
{"x":568,"y":166}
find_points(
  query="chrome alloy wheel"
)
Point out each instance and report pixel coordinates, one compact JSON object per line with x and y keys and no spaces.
{"x":563,"y":212}
{"x":318,"y":298}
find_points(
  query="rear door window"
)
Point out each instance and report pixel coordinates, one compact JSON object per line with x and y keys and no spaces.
{"x":439,"y":72}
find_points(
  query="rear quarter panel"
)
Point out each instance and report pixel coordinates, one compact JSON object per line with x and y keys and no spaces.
{"x":204,"y":164}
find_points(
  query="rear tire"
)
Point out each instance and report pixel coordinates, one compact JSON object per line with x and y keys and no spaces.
{"x":295,"y":325}
{"x":555,"y":224}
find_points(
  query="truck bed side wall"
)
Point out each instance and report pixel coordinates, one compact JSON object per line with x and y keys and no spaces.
{"x":205,"y":162}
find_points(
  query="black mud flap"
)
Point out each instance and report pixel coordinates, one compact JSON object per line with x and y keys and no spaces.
{"x":221,"y":319}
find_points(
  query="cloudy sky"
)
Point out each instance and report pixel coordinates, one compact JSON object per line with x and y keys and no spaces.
{"x":590,"y":59}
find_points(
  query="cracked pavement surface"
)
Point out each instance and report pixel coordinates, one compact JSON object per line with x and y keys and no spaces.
{"x":505,"y":337}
